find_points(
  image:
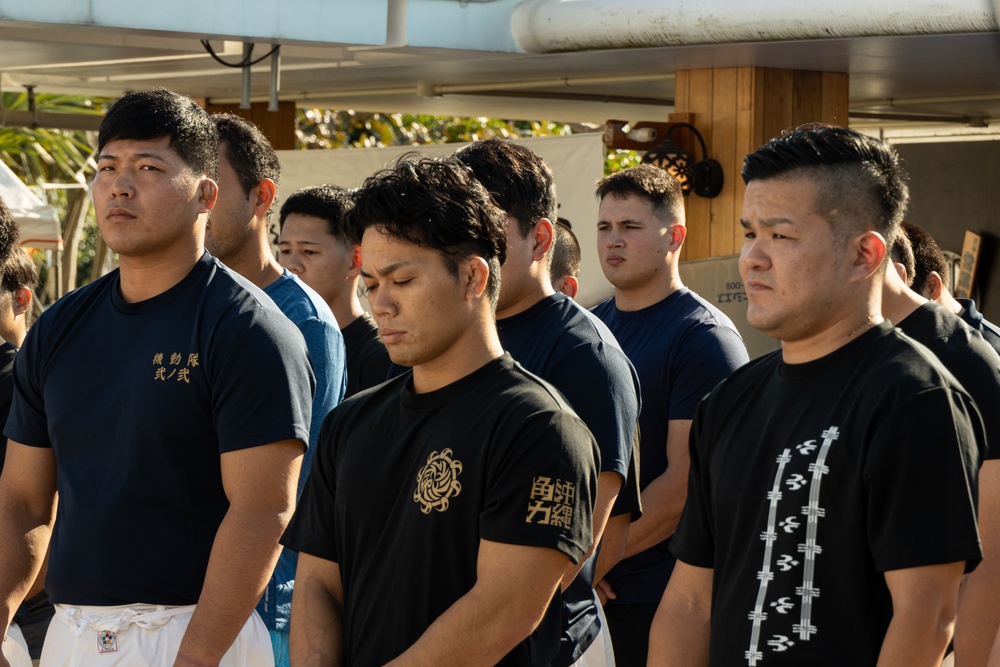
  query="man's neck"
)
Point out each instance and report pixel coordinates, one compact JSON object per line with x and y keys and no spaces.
{"x":949,"y":302}
{"x":538,"y":291}
{"x":649,"y":294}
{"x":144,"y":277}
{"x":255,"y":262}
{"x":347,"y":308}
{"x":898,"y":300}
{"x":479,"y":345}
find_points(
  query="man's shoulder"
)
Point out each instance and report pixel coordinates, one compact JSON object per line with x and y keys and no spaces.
{"x":298,"y":301}
{"x":948,"y":336}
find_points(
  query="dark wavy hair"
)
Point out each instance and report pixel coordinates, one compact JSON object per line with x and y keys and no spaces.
{"x":437,"y":204}
{"x":326,"y":202}
{"x":516,"y":177}
{"x":9,"y":231}
{"x":861,"y":184}
{"x":151,"y":114}
{"x":566,"y":255}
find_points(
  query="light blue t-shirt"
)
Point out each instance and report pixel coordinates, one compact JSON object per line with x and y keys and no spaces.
{"x":310,"y":313}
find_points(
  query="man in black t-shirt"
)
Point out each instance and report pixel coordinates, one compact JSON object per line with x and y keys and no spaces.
{"x":831,"y":500}
{"x":446,"y":506}
{"x":976,"y":365}
{"x":553,"y":337}
{"x":168,"y":404}
{"x":314,"y":246}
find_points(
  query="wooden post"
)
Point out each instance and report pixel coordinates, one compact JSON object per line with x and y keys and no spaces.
{"x":737,"y":109}
{"x":278,"y":126}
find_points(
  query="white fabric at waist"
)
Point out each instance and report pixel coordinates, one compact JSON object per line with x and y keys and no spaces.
{"x":80,"y":618}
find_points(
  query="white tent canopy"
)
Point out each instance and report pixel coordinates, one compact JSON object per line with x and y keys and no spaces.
{"x":38,"y":221}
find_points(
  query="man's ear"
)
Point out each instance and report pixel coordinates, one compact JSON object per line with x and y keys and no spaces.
{"x":869,"y":251}
{"x":543,"y":236}
{"x":265,"y":193}
{"x":678,"y":232}
{"x":568,"y":285}
{"x":208,"y":194}
{"x":901,"y":272}
{"x":355,"y":268}
{"x":933,"y":286}
{"x":476,"y":274}
{"x":21,"y":301}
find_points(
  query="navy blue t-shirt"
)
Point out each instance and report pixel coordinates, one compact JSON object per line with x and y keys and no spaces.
{"x":138,"y":401}
{"x":567,"y":346}
{"x":681,"y":347}
{"x":975,"y":319}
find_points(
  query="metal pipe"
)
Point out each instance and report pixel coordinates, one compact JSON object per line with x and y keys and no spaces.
{"x":275,"y":79}
{"x":245,"y":97}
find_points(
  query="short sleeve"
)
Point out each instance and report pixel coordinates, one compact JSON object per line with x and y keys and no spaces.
{"x":27,"y":423}
{"x":543,"y":484}
{"x":262,"y":382}
{"x":325,"y":344}
{"x":921,"y":472}
{"x":706,"y":356}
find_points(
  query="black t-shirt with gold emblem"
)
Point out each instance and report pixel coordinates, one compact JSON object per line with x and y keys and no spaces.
{"x":404,"y":486}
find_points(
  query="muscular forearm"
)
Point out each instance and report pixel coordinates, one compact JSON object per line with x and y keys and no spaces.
{"x":916,"y":639}
{"x":24,"y":539}
{"x":681,"y":629}
{"x":978,"y":615}
{"x":473,"y":632}
{"x":613,"y":545}
{"x":608,"y":485}
{"x":243,"y":556}
{"x":662,"y":503}
{"x":317,"y":629}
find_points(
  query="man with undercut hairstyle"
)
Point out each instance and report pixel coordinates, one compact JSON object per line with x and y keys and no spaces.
{"x":238,"y":235}
{"x":445,"y":506}
{"x":167,"y":404}
{"x":932,"y":279}
{"x":314,"y":246}
{"x":552,"y":336}
{"x":831,"y":508}
{"x":681,"y":346}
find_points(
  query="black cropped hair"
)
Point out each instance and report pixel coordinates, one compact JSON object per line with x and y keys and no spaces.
{"x":566,"y":256}
{"x":151,"y":114}
{"x":247,"y":149}
{"x":436,"y":204}
{"x":326,"y":202}
{"x":927,"y":256}
{"x":516,"y":177}
{"x":860,"y":182}
{"x":653,"y":184}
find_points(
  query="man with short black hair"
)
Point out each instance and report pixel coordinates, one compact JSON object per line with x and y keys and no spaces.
{"x":314,"y":246}
{"x":238,"y":235}
{"x":831,"y":508}
{"x":552,"y":336}
{"x":445,"y":506}
{"x":932,"y":279}
{"x":168,"y":404}
{"x":681,"y":346}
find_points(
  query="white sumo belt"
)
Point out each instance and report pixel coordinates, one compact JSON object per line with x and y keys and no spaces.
{"x":108,"y":622}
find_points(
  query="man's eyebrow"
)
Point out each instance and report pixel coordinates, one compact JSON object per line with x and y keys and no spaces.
{"x":767,"y":222}
{"x":134,"y":156}
{"x":387,"y":270}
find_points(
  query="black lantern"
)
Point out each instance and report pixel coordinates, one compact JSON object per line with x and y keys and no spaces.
{"x":703,"y":177}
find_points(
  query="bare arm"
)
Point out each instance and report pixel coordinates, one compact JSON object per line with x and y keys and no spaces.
{"x":613,"y":548}
{"x":608,"y":486}
{"x":979,"y":600}
{"x":924,"y":606}
{"x":27,"y":512}
{"x":663,"y":498}
{"x":317,"y":625}
{"x":680,"y":631}
{"x":513,"y":589}
{"x":260,"y":483}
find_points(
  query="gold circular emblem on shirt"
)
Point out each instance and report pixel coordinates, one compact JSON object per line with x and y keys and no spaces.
{"x":437,"y":482}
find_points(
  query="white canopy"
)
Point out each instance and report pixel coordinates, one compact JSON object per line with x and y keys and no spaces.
{"x":38,"y":221}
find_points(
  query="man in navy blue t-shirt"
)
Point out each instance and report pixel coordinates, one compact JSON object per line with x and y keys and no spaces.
{"x":681,"y":346}
{"x":168,"y":405}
